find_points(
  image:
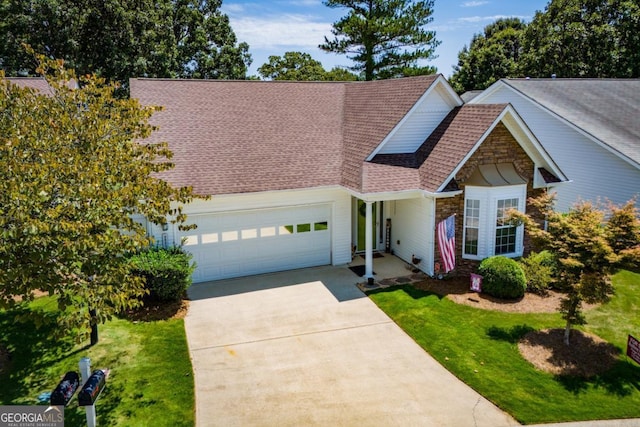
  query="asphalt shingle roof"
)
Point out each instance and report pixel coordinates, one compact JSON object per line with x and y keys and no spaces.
{"x":447,"y":146}
{"x":607,"y":109}
{"x":231,"y":137}
{"x":247,"y":136}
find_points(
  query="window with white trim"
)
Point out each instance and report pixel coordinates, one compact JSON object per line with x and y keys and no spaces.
{"x":471,"y":225}
{"x":486,"y":231}
{"x":505,"y":232}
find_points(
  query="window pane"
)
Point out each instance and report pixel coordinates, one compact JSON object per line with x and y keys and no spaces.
{"x":285,"y":229}
{"x":303,"y":228}
{"x":471,"y":241}
{"x":471,"y":224}
{"x":505,"y":233}
{"x":267,"y":231}
{"x":320,"y":226}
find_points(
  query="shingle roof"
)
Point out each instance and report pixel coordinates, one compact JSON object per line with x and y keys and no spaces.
{"x":447,"y":146}
{"x":248,"y":136}
{"x":607,"y":109}
{"x":452,"y":140}
{"x":38,"y":83}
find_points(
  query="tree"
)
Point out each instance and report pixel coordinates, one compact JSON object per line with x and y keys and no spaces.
{"x":493,"y":55}
{"x":588,"y":245}
{"x":300,"y":66}
{"x":73,"y":179}
{"x":584,"y":38}
{"x":120,"y":39}
{"x":385,"y":38}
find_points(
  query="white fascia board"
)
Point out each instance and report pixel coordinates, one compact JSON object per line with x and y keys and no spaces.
{"x":488,"y":92}
{"x":453,"y":100}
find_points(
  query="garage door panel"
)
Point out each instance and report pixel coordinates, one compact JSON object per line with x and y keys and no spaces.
{"x":253,"y":242}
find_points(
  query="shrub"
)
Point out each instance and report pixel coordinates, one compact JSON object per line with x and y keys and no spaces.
{"x":167,"y":272}
{"x":502,"y":277}
{"x":539,"y":270}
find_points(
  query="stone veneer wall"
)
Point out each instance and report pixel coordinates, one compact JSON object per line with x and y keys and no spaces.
{"x":499,"y":147}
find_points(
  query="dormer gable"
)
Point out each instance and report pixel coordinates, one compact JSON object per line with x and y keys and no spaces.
{"x":427,"y":113}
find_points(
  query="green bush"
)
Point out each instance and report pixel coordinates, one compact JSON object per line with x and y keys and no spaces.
{"x":502,"y":277}
{"x":539,"y":270}
{"x":167,"y":272}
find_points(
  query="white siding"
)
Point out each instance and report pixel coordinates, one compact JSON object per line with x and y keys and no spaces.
{"x":596,"y":172}
{"x":411,"y":233}
{"x":418,"y":125}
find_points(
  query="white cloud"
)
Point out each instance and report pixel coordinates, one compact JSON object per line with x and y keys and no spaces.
{"x":473,"y":3}
{"x":474,"y":19}
{"x":283,"y":30}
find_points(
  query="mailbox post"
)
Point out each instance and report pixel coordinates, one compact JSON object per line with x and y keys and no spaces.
{"x":85,"y":372}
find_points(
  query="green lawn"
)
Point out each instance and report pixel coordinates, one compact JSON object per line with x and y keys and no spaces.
{"x":151,"y":380}
{"x":480,"y":348}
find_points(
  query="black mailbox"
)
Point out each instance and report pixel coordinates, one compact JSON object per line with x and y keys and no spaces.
{"x":92,"y":388}
{"x":65,"y":389}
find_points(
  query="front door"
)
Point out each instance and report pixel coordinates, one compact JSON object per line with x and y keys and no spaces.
{"x":361,"y":221}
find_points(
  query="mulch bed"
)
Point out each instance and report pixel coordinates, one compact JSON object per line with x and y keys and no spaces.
{"x":586,"y":356}
{"x":457,"y":290}
{"x":155,"y":310}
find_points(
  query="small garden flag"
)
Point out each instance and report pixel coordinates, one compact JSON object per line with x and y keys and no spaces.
{"x":447,"y":242}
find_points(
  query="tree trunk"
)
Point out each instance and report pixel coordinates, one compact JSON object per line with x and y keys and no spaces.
{"x":567,"y":333}
{"x":94,"y":326}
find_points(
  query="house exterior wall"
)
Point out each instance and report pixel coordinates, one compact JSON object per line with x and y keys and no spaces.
{"x":499,"y":147}
{"x":411,"y":230}
{"x":596,"y":172}
{"x":427,"y":115}
{"x":338,"y":199}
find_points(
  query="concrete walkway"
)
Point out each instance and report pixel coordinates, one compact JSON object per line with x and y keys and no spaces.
{"x":307,"y":347}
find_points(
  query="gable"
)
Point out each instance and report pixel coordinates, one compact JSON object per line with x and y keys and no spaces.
{"x":421,"y":121}
{"x":604,"y":111}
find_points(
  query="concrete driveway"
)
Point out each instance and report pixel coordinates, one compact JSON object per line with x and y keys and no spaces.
{"x":306,"y":347}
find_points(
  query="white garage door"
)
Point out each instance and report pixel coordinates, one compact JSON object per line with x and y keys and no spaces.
{"x":243,"y":243}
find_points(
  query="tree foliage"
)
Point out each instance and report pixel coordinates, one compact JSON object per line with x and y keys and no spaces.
{"x":584,"y":38}
{"x":570,"y":38}
{"x":384,"y":38}
{"x":300,"y":66}
{"x":74,"y":177}
{"x":588,"y":245}
{"x":119,"y":39}
{"x":492,"y":55}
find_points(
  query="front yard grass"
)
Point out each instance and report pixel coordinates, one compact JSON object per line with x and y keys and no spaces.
{"x":480,"y":348}
{"x":151,"y":380}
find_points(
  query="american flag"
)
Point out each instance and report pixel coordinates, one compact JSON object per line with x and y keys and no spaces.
{"x":447,"y":242}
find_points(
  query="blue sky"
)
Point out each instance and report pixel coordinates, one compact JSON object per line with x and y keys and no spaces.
{"x":279,"y":26}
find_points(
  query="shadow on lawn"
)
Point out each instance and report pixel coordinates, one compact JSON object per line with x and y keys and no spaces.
{"x":33,"y":346}
{"x":408,"y":289}
{"x":621,"y":380}
{"x":511,"y":335}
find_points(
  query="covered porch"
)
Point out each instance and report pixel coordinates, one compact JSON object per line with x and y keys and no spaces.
{"x":392,"y":235}
{"x":388,"y":270}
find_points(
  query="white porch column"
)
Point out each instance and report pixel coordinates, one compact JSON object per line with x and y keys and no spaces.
{"x":368,"y":258}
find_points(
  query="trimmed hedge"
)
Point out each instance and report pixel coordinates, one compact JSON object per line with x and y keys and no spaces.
{"x":502,"y":277}
{"x":167,"y":272}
